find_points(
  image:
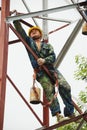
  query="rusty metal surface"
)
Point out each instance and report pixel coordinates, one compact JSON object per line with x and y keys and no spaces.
{"x":62,"y":123}
{"x":3,"y":57}
{"x":20,"y":94}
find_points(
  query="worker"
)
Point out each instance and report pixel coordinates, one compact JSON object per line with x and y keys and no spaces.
{"x":47,"y":57}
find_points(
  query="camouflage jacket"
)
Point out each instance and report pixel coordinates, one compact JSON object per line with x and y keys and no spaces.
{"x":46,"y":51}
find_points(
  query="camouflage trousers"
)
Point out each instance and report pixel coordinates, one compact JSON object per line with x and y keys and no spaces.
{"x":64,"y":91}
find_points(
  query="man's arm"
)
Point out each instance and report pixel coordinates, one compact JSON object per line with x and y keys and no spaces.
{"x":20,"y":29}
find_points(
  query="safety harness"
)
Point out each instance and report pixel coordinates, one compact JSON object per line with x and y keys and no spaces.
{"x":56,"y":88}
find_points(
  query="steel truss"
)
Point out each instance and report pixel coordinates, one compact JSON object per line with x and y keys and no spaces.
{"x":82,"y":115}
{"x":5,"y":15}
{"x":65,"y":122}
{"x":48,"y":11}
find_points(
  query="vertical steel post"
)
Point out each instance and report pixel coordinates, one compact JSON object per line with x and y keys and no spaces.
{"x":45,"y":37}
{"x":3,"y":56}
{"x":45,"y":22}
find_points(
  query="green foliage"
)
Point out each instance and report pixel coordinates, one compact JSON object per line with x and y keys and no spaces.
{"x":81,"y":72}
{"x":83,"y":96}
{"x":71,"y":126}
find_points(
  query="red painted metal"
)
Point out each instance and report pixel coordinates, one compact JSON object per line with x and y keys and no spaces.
{"x":65,"y":122}
{"x":3,"y":57}
{"x":14,"y":41}
{"x":78,"y":109}
{"x":59,"y":28}
{"x":20,"y":94}
{"x":45,"y":112}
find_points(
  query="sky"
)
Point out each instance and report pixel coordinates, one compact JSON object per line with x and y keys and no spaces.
{"x":17,"y":114}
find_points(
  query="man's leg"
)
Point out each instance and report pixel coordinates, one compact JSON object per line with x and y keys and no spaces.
{"x":49,"y":90}
{"x":65,"y":93}
{"x":66,"y":97}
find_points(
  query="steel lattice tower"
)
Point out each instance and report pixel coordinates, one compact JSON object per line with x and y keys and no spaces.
{"x":4,"y":36}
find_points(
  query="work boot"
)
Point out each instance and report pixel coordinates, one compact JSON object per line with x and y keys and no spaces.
{"x":60,"y":117}
{"x":72,"y":115}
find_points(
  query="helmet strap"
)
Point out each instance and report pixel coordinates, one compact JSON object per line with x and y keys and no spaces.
{"x":36,"y":38}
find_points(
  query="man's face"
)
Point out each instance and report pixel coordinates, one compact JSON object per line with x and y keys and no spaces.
{"x":35,"y":34}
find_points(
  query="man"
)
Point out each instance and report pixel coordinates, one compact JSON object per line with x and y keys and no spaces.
{"x":46,"y":56}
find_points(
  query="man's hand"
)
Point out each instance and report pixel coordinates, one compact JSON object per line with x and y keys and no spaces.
{"x":40,"y":61}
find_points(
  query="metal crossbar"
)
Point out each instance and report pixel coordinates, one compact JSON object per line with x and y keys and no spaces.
{"x":65,"y":122}
{"x":46,"y":11}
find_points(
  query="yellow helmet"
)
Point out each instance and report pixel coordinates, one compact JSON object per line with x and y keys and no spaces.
{"x":34,"y":27}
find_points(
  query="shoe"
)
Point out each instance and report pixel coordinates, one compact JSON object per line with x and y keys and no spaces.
{"x":72,"y":115}
{"x":60,"y":118}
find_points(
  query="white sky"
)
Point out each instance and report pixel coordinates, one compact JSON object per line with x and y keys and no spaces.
{"x":17,"y":114}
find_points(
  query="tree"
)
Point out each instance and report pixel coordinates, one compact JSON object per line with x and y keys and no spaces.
{"x":80,"y":74}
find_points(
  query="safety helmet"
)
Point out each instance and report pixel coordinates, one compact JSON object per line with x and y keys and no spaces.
{"x":34,"y":27}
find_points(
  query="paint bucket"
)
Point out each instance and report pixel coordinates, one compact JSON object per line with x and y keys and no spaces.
{"x":35,"y":94}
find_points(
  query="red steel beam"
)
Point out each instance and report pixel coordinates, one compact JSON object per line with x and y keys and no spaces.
{"x":22,"y":97}
{"x":45,"y":112}
{"x":65,"y":122}
{"x":3,"y":56}
{"x":14,"y":41}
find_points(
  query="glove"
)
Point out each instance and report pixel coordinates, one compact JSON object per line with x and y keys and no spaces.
{"x":40,"y":61}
